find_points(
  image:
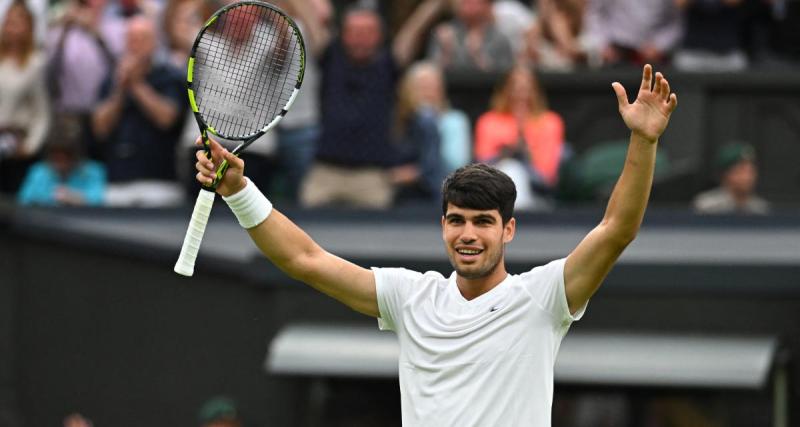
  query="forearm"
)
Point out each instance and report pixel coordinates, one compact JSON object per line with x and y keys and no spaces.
{"x":285,"y":244}
{"x":161,"y":110}
{"x":317,"y":32}
{"x":296,"y":254}
{"x":107,"y":114}
{"x":408,"y":39}
{"x":629,"y":199}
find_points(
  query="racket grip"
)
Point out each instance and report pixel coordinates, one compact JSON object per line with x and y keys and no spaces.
{"x":194,"y":234}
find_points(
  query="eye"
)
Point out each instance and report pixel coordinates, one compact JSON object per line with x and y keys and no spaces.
{"x":455,"y":220}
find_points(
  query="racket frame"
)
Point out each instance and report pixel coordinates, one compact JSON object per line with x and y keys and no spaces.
{"x":205,"y":198}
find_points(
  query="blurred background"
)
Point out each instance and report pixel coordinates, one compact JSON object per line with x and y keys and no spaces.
{"x":97,"y":185}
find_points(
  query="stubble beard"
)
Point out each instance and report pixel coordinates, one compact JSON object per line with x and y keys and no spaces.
{"x":479,"y":274}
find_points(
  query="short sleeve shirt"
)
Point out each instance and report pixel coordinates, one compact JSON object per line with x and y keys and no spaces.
{"x":481,"y":362}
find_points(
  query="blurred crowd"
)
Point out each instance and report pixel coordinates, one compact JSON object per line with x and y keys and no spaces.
{"x":93,"y":105}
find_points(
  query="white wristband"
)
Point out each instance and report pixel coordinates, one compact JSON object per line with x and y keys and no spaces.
{"x":249,"y":205}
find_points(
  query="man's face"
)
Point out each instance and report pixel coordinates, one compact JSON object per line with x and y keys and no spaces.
{"x":741,"y":178}
{"x":141,"y":38}
{"x":475,"y":240}
{"x":473,"y":11}
{"x":430,"y":89}
{"x":361,"y":35}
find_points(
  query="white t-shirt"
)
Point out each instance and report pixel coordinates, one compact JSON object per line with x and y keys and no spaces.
{"x":484,"y":362}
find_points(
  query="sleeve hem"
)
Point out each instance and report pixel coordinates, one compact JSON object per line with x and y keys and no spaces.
{"x":383,"y":323}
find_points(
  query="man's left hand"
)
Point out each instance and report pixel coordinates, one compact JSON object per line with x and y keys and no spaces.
{"x":649,"y":114}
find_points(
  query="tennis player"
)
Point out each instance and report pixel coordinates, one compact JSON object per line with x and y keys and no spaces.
{"x":477,"y":348}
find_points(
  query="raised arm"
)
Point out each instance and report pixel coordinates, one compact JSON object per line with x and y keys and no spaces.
{"x":312,"y":14}
{"x":291,"y":249}
{"x":592,"y":259}
{"x":408,"y":39}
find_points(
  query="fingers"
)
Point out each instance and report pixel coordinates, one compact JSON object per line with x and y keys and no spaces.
{"x":205,"y":168}
{"x":214,"y":146}
{"x":660,"y":87}
{"x":673,"y":102}
{"x":657,"y":85}
{"x":233,"y":160}
{"x":622,"y":96}
{"x":664,"y":90}
{"x":647,"y":78}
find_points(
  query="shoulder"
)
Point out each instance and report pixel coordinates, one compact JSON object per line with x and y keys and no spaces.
{"x":391,"y":274}
{"x":757,"y":205}
{"x":166,"y":71}
{"x":494,"y":117}
{"x":455,"y":116}
{"x":404,"y":275}
{"x":40,"y":168}
{"x":712,"y":201}
{"x":92,"y":167}
{"x":554,"y":270}
{"x":550,"y":119}
{"x":38,"y":61}
{"x":552,"y":116}
{"x":404,"y":280}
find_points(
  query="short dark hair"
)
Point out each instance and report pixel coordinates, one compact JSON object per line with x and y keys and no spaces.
{"x":480,"y":186}
{"x":362,"y":7}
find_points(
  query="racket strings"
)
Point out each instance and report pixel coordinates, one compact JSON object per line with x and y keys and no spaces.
{"x":247,"y":64}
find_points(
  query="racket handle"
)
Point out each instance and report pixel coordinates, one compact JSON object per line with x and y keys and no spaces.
{"x":194,"y":235}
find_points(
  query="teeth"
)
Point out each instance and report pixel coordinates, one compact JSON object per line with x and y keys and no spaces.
{"x":469,"y":251}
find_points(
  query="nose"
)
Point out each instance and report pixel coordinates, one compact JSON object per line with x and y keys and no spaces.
{"x":468,"y":233}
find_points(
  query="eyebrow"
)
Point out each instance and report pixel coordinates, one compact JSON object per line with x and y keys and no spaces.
{"x":484,"y":217}
{"x":478,"y":217}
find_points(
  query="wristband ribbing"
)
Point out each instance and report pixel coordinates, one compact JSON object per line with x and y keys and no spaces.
{"x":249,"y":205}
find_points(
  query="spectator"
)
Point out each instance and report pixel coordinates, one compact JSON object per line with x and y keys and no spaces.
{"x":521,"y":135}
{"x":39,"y":10}
{"x":24,"y":107}
{"x":556,"y":41}
{"x":736,"y":192}
{"x":714,"y":36}
{"x":513,"y":18}
{"x":435,"y":136}
{"x":126,"y":9}
{"x":298,"y":132}
{"x":82,"y":50}
{"x":359,"y":74}
{"x":64,"y":177}
{"x":471,"y":41}
{"x":633,"y":31}
{"x":139,"y":121}
{"x":77,"y":420}
{"x":181,"y":21}
{"x":219,"y":412}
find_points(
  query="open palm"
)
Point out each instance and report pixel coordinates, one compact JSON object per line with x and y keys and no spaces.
{"x":649,"y":114}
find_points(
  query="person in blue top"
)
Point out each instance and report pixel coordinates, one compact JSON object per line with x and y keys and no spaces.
{"x":64,"y":177}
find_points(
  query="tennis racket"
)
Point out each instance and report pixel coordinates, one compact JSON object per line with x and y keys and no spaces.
{"x":244,"y":73}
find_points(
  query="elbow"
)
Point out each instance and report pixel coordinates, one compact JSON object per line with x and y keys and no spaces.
{"x":626,"y":237}
{"x":622,"y":235}
{"x":302,"y":266}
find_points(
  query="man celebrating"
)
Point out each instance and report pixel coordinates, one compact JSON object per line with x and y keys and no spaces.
{"x":477,"y":348}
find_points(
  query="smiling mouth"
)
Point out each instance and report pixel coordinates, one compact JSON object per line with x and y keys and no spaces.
{"x":469,"y":251}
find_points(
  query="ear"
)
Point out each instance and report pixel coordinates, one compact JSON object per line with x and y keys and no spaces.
{"x":509,"y":229}
{"x":443,"y":237}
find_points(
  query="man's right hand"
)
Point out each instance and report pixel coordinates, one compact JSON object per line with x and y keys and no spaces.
{"x":233,"y":181}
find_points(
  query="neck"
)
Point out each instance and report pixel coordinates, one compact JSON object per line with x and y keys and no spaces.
{"x":473,"y":288}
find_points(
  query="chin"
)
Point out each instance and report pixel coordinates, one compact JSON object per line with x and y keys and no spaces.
{"x":473,"y":272}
